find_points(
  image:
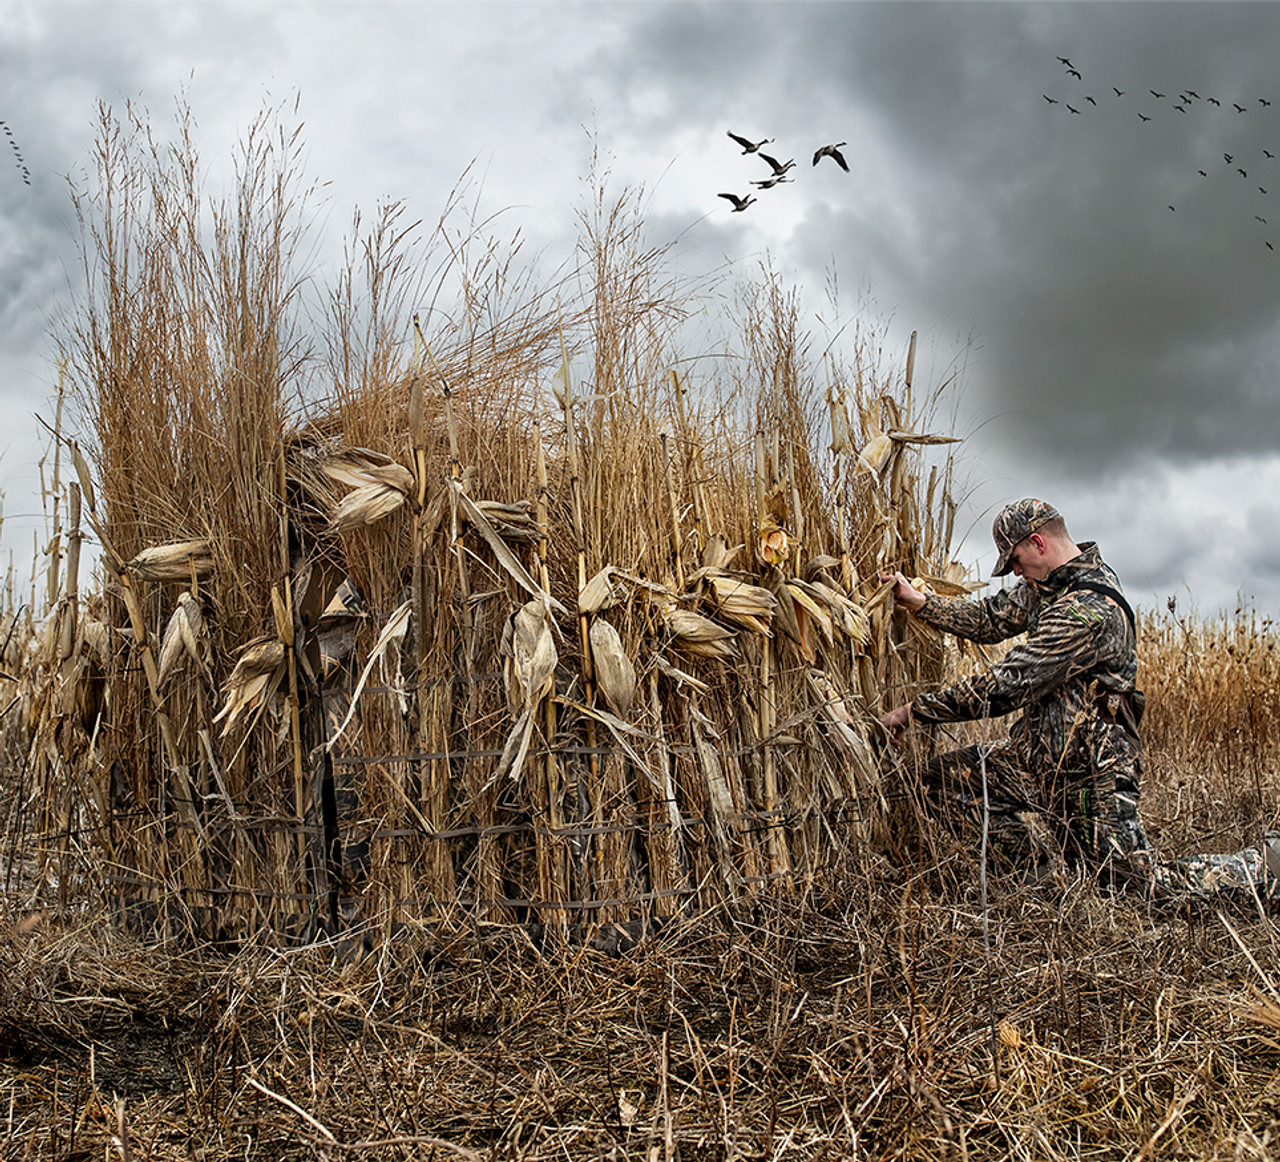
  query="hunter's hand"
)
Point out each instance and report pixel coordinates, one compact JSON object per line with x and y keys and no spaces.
{"x":896,"y":723}
{"x":904,"y":593}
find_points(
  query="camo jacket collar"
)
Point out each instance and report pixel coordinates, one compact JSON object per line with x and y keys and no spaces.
{"x":1088,"y":562}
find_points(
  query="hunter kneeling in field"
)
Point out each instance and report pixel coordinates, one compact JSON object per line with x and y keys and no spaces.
{"x":1074,"y":757}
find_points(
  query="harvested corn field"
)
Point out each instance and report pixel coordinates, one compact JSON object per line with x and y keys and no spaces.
{"x":466,"y":742}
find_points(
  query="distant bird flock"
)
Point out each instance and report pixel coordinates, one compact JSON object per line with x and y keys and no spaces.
{"x":780,"y":169}
{"x":17,"y":153}
{"x":1189,"y":103}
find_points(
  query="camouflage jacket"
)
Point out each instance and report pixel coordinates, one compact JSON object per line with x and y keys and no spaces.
{"x":1079,"y":647}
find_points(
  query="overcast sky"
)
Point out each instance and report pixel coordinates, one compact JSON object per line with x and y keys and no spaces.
{"x":1116,"y":314}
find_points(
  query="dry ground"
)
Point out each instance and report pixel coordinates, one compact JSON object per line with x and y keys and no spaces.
{"x":857,"y":1021}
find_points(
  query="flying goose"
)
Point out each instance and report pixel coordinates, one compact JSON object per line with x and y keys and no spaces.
{"x":748,"y":146}
{"x":833,"y":152}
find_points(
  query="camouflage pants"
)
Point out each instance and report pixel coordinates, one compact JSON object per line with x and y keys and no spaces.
{"x":1090,"y":820}
{"x":1087,"y":818}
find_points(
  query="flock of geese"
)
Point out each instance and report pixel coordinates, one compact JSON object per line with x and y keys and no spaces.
{"x":780,"y":169}
{"x":17,"y":153}
{"x":1184,"y":102}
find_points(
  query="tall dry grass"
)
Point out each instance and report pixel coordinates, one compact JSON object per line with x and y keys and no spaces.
{"x":1213,"y":743}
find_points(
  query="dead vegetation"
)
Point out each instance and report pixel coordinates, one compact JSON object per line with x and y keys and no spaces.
{"x":466,"y":746}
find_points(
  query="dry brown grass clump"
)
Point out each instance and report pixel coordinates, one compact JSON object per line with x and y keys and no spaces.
{"x":863,"y":1023}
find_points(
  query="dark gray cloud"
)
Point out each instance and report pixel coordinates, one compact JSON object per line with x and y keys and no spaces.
{"x":1115,"y":355}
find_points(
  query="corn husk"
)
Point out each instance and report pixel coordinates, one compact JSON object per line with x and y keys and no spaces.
{"x":360,"y":468}
{"x":841,"y":437}
{"x":598,"y":594}
{"x":253,"y":681}
{"x":808,"y":611}
{"x":615,"y":675}
{"x":698,"y":635}
{"x":528,"y":671}
{"x":173,"y":562}
{"x":97,"y":636}
{"x":365,"y":506}
{"x":528,"y":657}
{"x":183,"y":640}
{"x":846,"y":615}
{"x":876,"y":454}
{"x":512,"y":522}
{"x":717,"y":554}
{"x":751,"y":606}
{"x":774,"y":545}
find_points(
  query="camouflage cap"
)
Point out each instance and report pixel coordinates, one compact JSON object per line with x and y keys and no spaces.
{"x":1015,"y":523}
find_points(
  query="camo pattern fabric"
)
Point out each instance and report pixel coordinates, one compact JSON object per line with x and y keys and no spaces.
{"x":1065,"y":757}
{"x":1067,"y":760}
{"x":1248,"y":877}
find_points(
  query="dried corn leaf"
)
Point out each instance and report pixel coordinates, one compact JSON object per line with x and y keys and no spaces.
{"x":394,"y":631}
{"x":680,"y":677}
{"x":506,"y":558}
{"x":84,"y":475}
{"x":947,"y":587}
{"x":901,"y":437}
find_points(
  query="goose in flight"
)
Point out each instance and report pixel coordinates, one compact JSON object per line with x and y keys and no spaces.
{"x":1239,"y":108}
{"x":1156,"y":95}
{"x":778,"y":167}
{"x":833,"y":152}
{"x":1215,"y":101}
{"x":1075,"y":74}
{"x":1119,"y":92}
{"x":769,"y":183}
{"x":739,"y":204}
{"x":1142,"y":118}
{"x":1048,"y":98}
{"x":748,"y":146}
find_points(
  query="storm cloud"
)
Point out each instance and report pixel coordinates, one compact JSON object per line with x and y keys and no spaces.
{"x":1119,"y":356}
